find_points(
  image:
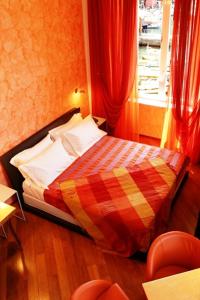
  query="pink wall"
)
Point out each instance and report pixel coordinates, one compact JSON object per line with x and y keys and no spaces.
{"x":42,"y":62}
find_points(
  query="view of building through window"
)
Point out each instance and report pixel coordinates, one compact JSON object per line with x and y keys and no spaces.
{"x":154,"y":58}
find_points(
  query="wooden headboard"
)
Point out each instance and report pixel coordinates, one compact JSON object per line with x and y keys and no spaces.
{"x":14,"y":175}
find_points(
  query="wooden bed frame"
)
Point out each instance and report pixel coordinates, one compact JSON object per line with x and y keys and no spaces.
{"x":15,"y":177}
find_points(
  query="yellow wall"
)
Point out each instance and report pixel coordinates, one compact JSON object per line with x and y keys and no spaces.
{"x":41,"y":62}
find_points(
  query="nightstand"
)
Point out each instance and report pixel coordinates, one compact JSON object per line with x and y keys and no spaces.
{"x":101,"y":123}
{"x":6,"y":193}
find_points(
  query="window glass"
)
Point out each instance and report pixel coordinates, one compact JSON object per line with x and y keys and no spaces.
{"x":155,"y":23}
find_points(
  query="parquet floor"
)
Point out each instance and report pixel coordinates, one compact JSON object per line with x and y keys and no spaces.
{"x":54,"y":261}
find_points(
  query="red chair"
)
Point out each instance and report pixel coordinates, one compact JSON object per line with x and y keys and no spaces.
{"x":99,"y":289}
{"x":171,"y":253}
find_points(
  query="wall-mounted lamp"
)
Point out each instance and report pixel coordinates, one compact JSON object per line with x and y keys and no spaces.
{"x":77,"y":90}
{"x":77,"y":96}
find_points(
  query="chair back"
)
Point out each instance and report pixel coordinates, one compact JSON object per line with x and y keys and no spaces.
{"x":114,"y":292}
{"x":99,"y":290}
{"x":171,"y":253}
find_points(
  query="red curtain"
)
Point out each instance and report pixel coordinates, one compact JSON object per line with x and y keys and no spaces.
{"x":185,"y":76}
{"x":112,"y":26}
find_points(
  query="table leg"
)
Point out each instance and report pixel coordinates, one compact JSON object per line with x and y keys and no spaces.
{"x":4,"y":232}
{"x":14,"y":233}
{"x":20,"y":205}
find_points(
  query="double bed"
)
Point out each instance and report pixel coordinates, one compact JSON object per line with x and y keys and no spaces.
{"x":106,"y":155}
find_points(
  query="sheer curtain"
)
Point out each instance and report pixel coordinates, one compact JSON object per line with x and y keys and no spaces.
{"x":184,"y":120}
{"x":112,"y":26}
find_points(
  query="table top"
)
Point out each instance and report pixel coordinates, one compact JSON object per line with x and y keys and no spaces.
{"x":6,"y":211}
{"x":182,"y":286}
{"x":100,"y":120}
{"x":6,"y":192}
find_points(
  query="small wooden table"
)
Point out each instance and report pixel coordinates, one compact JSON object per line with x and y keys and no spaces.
{"x":182,"y":286}
{"x":101,"y":122}
{"x":6,"y":193}
{"x":6,"y":212}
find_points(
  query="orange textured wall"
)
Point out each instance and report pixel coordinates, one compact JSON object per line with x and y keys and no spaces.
{"x":151,"y":120}
{"x":42,"y":61}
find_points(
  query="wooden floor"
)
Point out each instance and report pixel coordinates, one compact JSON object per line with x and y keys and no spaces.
{"x":54,"y":261}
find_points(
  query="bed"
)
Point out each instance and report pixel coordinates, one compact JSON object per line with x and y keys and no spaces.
{"x":106,"y":155}
{"x":16,"y":179}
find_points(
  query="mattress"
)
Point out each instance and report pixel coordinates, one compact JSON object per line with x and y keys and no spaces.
{"x":42,"y":205}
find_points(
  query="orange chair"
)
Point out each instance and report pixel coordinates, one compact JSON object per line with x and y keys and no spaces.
{"x":171,"y":253}
{"x":99,"y":289}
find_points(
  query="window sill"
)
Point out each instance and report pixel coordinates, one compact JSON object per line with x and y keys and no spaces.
{"x":150,"y":102}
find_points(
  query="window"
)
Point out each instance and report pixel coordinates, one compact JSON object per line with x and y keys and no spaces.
{"x":155,"y":25}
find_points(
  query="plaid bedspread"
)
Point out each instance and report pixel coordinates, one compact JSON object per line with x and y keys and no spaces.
{"x":122,"y":209}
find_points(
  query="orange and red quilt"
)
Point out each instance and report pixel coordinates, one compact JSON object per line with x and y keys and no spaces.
{"x":110,"y":153}
{"x":123,"y":208}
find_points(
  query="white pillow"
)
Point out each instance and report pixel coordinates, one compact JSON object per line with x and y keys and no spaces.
{"x":27,"y":154}
{"x":44,"y":168}
{"x":83,"y":136}
{"x":57,"y":132}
